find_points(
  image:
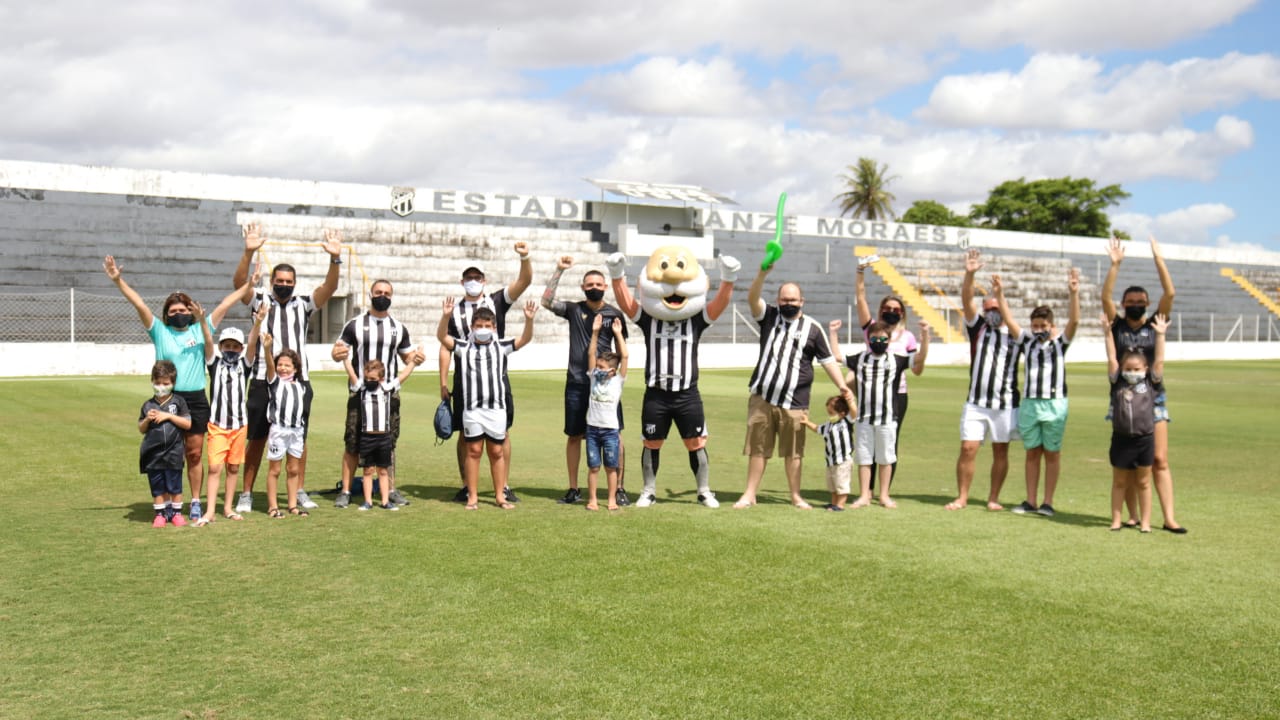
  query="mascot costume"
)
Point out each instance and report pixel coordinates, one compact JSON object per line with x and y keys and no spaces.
{"x":671,"y":309}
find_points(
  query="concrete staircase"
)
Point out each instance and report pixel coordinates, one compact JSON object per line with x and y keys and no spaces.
{"x":943,"y":330}
{"x":1253,"y":290}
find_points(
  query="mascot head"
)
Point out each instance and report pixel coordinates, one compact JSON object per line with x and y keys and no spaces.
{"x":673,"y":285}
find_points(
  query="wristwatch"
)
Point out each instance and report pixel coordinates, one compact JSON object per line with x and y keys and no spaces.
{"x":335,"y":260}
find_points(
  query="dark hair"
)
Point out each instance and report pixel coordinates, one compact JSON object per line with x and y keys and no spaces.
{"x":613,"y":358}
{"x":164,"y":369}
{"x":1133,"y":289}
{"x":1134,"y":352}
{"x":484,"y":313}
{"x":174,"y":299}
{"x":380,"y":281}
{"x":839,"y":403}
{"x":589,"y":273}
{"x":283,"y":267}
{"x":1042,"y":312}
{"x":375,"y":365}
{"x":878,"y":326}
{"x":293,"y":357}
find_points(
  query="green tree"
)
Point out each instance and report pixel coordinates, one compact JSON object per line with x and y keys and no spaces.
{"x":1056,"y":206}
{"x":866,"y":196}
{"x":930,"y":212}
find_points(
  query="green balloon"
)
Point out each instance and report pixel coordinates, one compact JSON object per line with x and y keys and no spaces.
{"x":773,"y":248}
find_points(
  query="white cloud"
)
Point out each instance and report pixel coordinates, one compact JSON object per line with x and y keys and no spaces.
{"x":1193,"y":225}
{"x":667,"y":86}
{"x":1071,"y":92}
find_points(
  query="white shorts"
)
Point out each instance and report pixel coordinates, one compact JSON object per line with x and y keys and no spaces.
{"x":875,"y":444}
{"x":839,"y":476}
{"x":281,"y":440}
{"x":484,"y":421}
{"x":976,"y":422}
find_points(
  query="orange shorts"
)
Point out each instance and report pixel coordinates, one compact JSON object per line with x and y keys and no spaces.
{"x":226,"y":447}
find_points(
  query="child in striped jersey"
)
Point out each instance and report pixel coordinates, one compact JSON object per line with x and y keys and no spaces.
{"x":837,"y":434}
{"x":377,"y":444}
{"x":228,"y":429}
{"x":877,"y":373}
{"x":1042,"y":416}
{"x":287,"y":436}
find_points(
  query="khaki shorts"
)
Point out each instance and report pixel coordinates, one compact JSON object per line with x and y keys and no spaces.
{"x":226,"y":447}
{"x":838,"y":477}
{"x":768,"y":425}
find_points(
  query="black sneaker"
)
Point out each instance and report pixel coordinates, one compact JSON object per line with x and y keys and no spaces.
{"x":509,"y":495}
{"x":1024,"y":508}
{"x":342,"y":501}
{"x":621,"y":498}
{"x":571,"y":496}
{"x":397,"y":498}
{"x":461,"y":496}
{"x":1046,"y":510}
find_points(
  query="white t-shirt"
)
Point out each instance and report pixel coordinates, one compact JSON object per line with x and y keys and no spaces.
{"x":602,"y":410}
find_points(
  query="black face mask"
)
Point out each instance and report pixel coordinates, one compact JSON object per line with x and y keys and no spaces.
{"x":380,"y":302}
{"x":879,"y":347}
{"x":1042,"y":335}
{"x":790,"y":312}
{"x":890,"y":318}
{"x":1135,"y":312}
{"x":594,"y":294}
{"x":371,"y":385}
{"x":180,"y":320}
{"x":283,"y":292}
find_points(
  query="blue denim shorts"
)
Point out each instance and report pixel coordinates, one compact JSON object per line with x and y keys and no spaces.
{"x":602,"y":443}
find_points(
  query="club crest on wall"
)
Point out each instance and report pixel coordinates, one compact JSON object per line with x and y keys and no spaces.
{"x":402,"y":200}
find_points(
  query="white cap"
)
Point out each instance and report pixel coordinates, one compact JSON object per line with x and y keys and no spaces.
{"x":231,"y":333}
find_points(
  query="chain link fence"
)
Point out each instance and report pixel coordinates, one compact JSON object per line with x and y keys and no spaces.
{"x":78,"y":316}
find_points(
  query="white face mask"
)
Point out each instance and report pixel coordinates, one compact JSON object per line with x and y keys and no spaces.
{"x":162,"y":390}
{"x":482,"y":335}
{"x":1133,"y":377}
{"x":473,"y":288}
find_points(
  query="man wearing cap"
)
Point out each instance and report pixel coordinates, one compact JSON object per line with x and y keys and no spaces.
{"x":374,"y":335}
{"x":499,"y":301}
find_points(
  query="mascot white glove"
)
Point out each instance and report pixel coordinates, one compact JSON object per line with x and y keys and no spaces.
{"x":729,"y":267}
{"x":617,"y":264}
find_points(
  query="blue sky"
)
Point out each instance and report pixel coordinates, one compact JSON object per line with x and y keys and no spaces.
{"x":1177,"y":101}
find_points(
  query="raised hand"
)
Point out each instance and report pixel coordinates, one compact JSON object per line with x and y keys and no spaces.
{"x":597,"y":323}
{"x":924,"y":328}
{"x":522,"y":248}
{"x":1073,"y":280}
{"x":257,"y":274}
{"x":111,"y":268}
{"x":197,"y":312}
{"x":333,"y":242}
{"x":267,"y":341}
{"x":1159,"y":323}
{"x":531,"y":309}
{"x":1115,"y":250}
{"x":616,"y":326}
{"x":448,"y":305}
{"x":729,"y":267}
{"x":565,"y":262}
{"x":997,"y":287}
{"x":973,"y":261}
{"x":617,"y":265}
{"x":254,"y":238}
{"x":1155,"y":246}
{"x":835,"y":325}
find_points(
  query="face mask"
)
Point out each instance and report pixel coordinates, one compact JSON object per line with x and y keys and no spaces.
{"x":1133,"y":377}
{"x":283,"y":292}
{"x":380,"y":303}
{"x":1135,"y":312}
{"x":1041,"y":336}
{"x":482,"y":335}
{"x":992,"y":317}
{"x":833,"y":419}
{"x":372,"y":385}
{"x":890,"y":318}
{"x":789,"y":312}
{"x":285,"y":377}
{"x":230,"y":357}
{"x":879,"y":346}
{"x":180,"y":320}
{"x":594,"y":294}
{"x":473,"y":288}
{"x":602,"y":376}
{"x":162,"y":390}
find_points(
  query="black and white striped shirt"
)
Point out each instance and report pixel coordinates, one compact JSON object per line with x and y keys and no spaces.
{"x":285,"y":408}
{"x":838,"y":435}
{"x":464,"y":310}
{"x":483,"y":367}
{"x":374,"y":338}
{"x":287,"y":325}
{"x":375,"y":406}
{"x":1045,"y":367}
{"x":784,"y":369}
{"x":875,"y":382}
{"x":227,"y":392}
{"x":993,"y":366}
{"x":671,"y":362}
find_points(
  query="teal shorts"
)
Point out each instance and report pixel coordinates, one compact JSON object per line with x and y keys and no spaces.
{"x":1042,"y":423}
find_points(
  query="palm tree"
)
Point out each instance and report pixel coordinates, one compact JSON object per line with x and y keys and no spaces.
{"x":867,"y":197}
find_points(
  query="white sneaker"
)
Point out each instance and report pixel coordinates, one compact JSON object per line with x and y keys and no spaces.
{"x":646,"y":499}
{"x":709,"y":500}
{"x":244,"y":505}
{"x":305,"y":500}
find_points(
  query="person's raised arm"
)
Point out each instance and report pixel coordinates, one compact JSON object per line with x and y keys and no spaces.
{"x":860,"y":289}
{"x":755,"y":303}
{"x":549,"y":294}
{"x":530,"y":309}
{"x":446,"y":342}
{"x":1165,"y":307}
{"x":1113,"y":362}
{"x":617,"y":266}
{"x":242,"y":294}
{"x":1115,"y":251}
{"x":997,"y":288}
{"x":113,"y":274}
{"x":833,"y":337}
{"x":1073,"y":308}
{"x":254,"y":239}
{"x":197,"y":314}
{"x":251,"y":342}
{"x":972,"y":264}
{"x":1159,"y":323}
{"x":269,"y":357}
{"x":525,"y":278}
{"x":729,"y":267}
{"x":595,"y":339}
{"x":333,"y":247}
{"x":409,"y":365}
{"x":620,"y":346}
{"x":917,"y":364}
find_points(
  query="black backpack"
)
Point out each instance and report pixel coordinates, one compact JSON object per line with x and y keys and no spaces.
{"x":444,"y":422}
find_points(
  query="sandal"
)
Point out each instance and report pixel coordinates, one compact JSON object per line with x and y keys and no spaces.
{"x":274,"y":513}
{"x":204,"y":520}
{"x":472,"y":506}
{"x":232,"y":516}
{"x":300,"y":512}
{"x":506,"y":506}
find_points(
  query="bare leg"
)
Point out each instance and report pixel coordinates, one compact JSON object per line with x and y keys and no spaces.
{"x":1119,"y":485}
{"x":211,"y":487}
{"x":611,"y":476}
{"x":1052,"y":468}
{"x":886,"y":478}
{"x":792,"y":466}
{"x":864,"y":487}
{"x":498,"y":454}
{"x":999,"y":471}
{"x":273,"y":484}
{"x":573,"y":458}
{"x":593,"y":480}
{"x":252,"y":462}
{"x":293,"y":466}
{"x":471,"y":469}
{"x":368,"y":484}
{"x":194,"y":451}
{"x":1144,"y":496}
{"x":1163,"y":476}
{"x":964,"y":473}
{"x":755,"y":471}
{"x":348,"y":470}
{"x":384,"y":485}
{"x":1032,"y":467}
{"x":233,"y":481}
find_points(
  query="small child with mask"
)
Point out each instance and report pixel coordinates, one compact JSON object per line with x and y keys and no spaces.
{"x":1134,"y":387}
{"x":609,"y":372}
{"x":228,"y":420}
{"x":377,"y":443}
{"x":876,"y":373}
{"x":287,"y":439}
{"x":162,"y":422}
{"x":837,"y":434}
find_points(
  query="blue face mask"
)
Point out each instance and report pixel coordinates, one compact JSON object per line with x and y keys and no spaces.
{"x":482,"y":335}
{"x":601,"y":376}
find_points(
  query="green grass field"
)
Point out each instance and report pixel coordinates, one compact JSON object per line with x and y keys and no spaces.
{"x":673,"y":611}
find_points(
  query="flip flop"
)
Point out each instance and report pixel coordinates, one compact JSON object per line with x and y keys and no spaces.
{"x":888,"y":504}
{"x":994,"y":507}
{"x":506,"y":506}
{"x":741,"y":505}
{"x":472,"y":506}
{"x":954,"y":506}
{"x":232,"y":516}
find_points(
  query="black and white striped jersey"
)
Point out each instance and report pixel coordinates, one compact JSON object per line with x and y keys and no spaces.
{"x":993,"y":366}
{"x":483,"y":369}
{"x":287,"y":325}
{"x":286,"y":405}
{"x":374,"y":338}
{"x":1045,"y":367}
{"x":788,"y":349}
{"x":375,"y":406}
{"x":671,"y":361}
{"x":875,"y":382}
{"x":464,"y":310}
{"x":227,"y":392}
{"x":838,"y":436}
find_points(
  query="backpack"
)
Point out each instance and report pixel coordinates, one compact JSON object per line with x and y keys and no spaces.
{"x":443,"y":422}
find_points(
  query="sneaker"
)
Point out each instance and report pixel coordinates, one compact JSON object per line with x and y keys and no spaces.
{"x":305,"y":500}
{"x":397,"y":498}
{"x":342,"y":501}
{"x":622,"y":498}
{"x":178,"y":520}
{"x":460,"y":496}
{"x":1046,"y":510}
{"x":365,"y":506}
{"x":509,"y":495}
{"x":646,"y":499}
{"x":159,"y":521}
{"x":571,"y":496}
{"x":1025,"y":508}
{"x":709,"y":500}
{"x":245,"y":504}
{"x":195,"y":510}
{"x":390,"y":506}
